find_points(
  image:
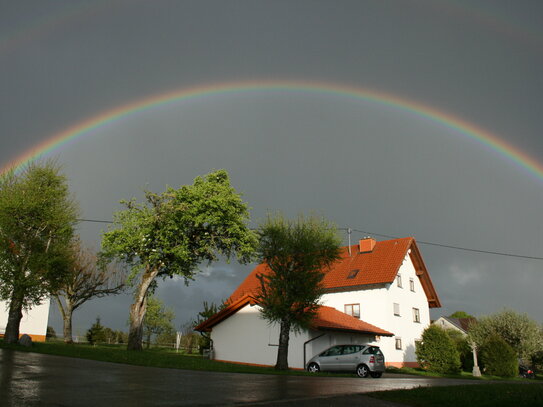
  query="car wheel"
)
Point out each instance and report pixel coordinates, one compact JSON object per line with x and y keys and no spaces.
{"x":376,"y":375}
{"x":313,"y":368}
{"x":362,"y":371}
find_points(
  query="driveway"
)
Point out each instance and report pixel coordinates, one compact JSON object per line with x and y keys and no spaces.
{"x":32,"y":379}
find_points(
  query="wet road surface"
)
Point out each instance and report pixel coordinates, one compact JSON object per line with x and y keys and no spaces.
{"x":32,"y":379}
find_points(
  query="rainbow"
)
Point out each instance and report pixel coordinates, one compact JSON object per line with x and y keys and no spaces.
{"x":459,"y":126}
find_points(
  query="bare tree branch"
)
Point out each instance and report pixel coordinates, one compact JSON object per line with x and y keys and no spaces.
{"x":86,"y":280}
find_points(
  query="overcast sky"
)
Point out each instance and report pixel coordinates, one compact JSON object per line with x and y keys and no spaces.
{"x":359,"y":163}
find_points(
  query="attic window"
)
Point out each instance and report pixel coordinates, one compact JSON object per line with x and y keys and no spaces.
{"x":353,"y":273}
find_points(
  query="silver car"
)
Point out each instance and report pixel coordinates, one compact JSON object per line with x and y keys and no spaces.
{"x":363,"y":359}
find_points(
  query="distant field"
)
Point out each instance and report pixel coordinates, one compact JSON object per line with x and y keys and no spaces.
{"x":478,"y":395}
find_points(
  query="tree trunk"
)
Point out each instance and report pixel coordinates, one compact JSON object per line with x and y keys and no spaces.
{"x":67,"y":329}
{"x":282,"y":352}
{"x":67,"y":313}
{"x":137,"y":310}
{"x":15,"y":315}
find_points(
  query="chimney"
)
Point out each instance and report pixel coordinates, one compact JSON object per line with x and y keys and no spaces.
{"x":367,"y":244}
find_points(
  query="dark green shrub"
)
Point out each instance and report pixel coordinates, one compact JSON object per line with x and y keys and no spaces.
{"x":499,"y":358}
{"x":537,"y":361}
{"x":463,"y":347}
{"x":96,"y":333}
{"x":437,"y":352}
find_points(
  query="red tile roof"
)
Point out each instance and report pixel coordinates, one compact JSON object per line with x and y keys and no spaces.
{"x":327,"y":319}
{"x":379,"y":266}
{"x":463,"y":323}
{"x":232,"y":308}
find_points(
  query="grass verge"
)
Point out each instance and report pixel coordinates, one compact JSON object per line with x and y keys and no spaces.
{"x":477,"y":395}
{"x":167,"y":358}
{"x":461,"y":375}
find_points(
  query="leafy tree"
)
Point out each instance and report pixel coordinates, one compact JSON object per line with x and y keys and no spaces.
{"x":37,"y":215}
{"x":522,"y":333}
{"x":297,"y":254}
{"x":112,"y":336}
{"x":498,"y":357}
{"x":461,"y":314}
{"x":167,"y":337}
{"x":172,"y":233}
{"x":437,"y":352}
{"x":158,"y":319}
{"x":210,"y":309}
{"x":96,"y":333}
{"x":84,"y":281}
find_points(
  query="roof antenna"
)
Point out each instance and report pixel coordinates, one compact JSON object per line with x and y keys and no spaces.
{"x":349,"y":231}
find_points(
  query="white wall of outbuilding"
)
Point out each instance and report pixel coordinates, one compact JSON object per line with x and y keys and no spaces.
{"x":33,"y":323}
{"x":247,"y":338}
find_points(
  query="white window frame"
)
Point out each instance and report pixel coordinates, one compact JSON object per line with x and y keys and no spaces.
{"x":350,"y":309}
{"x":416,"y":315}
{"x":399,"y":280}
{"x":412,"y":284}
{"x":398,"y":343}
{"x":396,"y":309}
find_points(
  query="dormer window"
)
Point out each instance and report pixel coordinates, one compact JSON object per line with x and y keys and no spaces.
{"x":353,"y":274}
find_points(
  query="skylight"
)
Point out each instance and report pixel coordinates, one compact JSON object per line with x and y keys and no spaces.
{"x":353,"y":273}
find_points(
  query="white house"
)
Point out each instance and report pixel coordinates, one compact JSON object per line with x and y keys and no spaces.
{"x":461,"y":325}
{"x":378,"y":292}
{"x":33,"y":323}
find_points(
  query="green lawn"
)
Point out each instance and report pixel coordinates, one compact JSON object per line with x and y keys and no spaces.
{"x":477,"y":395}
{"x":155,"y":357}
{"x":461,"y":375}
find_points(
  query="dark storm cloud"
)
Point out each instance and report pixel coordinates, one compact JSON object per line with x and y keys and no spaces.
{"x":360,"y":164}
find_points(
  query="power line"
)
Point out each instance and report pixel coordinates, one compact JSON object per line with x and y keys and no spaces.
{"x":467,"y":249}
{"x":94,"y":220}
{"x":446,"y":246}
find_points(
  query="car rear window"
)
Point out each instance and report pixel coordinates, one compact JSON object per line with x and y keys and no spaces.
{"x":372,"y":350}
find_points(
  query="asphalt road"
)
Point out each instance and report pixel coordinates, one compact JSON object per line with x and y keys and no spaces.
{"x":32,"y":379}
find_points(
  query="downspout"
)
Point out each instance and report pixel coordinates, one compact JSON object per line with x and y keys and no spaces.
{"x":310,"y":340}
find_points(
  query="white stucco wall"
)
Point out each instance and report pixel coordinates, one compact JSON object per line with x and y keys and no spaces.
{"x":246,"y":337}
{"x":376,"y":307}
{"x":34,"y":321}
